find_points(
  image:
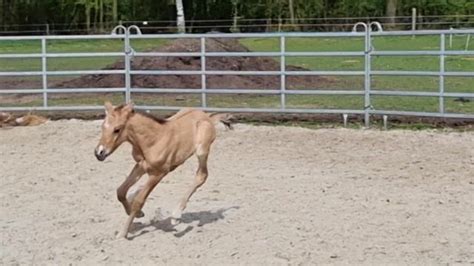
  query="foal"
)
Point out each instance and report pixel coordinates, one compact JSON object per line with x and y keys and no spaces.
{"x":159,"y":146}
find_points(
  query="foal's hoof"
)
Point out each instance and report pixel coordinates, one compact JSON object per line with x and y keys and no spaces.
{"x":122,"y":236}
{"x":174,"y":221}
{"x":140,"y":214}
{"x":176,"y":217}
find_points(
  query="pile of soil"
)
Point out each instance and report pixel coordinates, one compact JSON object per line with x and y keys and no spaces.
{"x":194,"y":63}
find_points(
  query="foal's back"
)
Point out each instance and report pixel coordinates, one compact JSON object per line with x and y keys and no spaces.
{"x":189,"y":119}
{"x":190,"y":114}
{"x":192,"y":129}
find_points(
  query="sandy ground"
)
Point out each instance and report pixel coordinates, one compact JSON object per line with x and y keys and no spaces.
{"x":275,"y":195}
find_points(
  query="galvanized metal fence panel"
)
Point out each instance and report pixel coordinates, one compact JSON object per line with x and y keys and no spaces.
{"x":367,"y":73}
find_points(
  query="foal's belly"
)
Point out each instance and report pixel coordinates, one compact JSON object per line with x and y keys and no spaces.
{"x":177,"y":161}
{"x":170,"y":160}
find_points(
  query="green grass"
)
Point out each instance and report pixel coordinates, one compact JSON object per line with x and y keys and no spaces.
{"x":405,"y":63}
{"x":69,"y":46}
{"x":63,"y":46}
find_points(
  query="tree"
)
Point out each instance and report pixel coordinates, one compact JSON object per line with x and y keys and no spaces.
{"x":180,"y":16}
{"x":88,"y":5}
{"x":391,"y":11}
{"x":292,"y":12}
{"x":114,"y":12}
{"x":75,"y":15}
{"x":235,"y":15}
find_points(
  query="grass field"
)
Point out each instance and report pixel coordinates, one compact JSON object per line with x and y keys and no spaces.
{"x":405,"y":63}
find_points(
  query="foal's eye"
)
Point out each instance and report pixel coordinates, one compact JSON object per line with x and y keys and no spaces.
{"x":117,"y":130}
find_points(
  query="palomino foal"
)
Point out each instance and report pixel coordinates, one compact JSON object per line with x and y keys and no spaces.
{"x":159,"y":146}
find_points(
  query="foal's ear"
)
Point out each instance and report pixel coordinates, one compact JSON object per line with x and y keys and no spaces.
{"x":128,"y":108}
{"x":108,"y":107}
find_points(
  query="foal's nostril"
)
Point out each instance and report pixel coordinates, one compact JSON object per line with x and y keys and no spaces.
{"x":100,"y":153}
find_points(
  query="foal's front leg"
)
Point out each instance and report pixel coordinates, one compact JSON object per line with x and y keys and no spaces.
{"x":139,"y":201}
{"x":133,"y":177}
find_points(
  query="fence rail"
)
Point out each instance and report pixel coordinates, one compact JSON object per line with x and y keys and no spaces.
{"x":367,"y":73}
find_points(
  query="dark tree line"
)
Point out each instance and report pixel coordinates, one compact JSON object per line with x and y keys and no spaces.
{"x":101,"y":15}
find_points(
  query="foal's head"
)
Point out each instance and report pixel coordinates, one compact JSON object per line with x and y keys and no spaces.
{"x":113,"y":129}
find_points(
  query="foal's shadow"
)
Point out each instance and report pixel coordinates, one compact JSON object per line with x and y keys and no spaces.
{"x":157,"y":223}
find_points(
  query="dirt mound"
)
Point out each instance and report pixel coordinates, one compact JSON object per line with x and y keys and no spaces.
{"x":194,"y":63}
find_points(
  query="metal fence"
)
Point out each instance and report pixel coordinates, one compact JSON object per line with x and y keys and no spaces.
{"x":367,"y":73}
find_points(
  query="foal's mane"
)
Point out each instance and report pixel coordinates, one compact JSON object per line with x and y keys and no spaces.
{"x":152,"y":117}
{"x":147,"y":115}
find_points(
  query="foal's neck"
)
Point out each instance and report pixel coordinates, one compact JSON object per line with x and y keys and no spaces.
{"x":144,"y":131}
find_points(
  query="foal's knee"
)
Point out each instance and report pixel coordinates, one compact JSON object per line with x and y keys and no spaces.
{"x":121,"y":194}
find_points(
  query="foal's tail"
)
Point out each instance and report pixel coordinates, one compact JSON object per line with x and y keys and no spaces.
{"x":225,"y":119}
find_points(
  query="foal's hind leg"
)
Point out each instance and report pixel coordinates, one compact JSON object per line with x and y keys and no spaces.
{"x":201,"y":176}
{"x":132,"y":178}
{"x":206,"y":136}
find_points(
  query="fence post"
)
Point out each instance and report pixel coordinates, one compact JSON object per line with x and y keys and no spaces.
{"x":441,"y":72}
{"x":283,"y":74}
{"x":128,"y":51}
{"x":367,"y":77}
{"x":413,"y":20}
{"x":451,"y":38}
{"x":43,"y":70}
{"x":467,"y":41}
{"x":203,"y":74}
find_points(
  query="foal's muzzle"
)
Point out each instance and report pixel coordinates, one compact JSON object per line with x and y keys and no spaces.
{"x":100,"y":153}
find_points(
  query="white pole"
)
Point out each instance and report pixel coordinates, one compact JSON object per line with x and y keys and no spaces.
{"x":413,"y":20}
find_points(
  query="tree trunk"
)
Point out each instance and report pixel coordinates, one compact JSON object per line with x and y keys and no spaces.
{"x":88,"y":19}
{"x":235,"y":16}
{"x":101,"y":16}
{"x":2,"y":19}
{"x":96,"y":14}
{"x":391,"y":12}
{"x":114,"y":12}
{"x":8,"y":10}
{"x":292,"y":14}
{"x":180,"y":16}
